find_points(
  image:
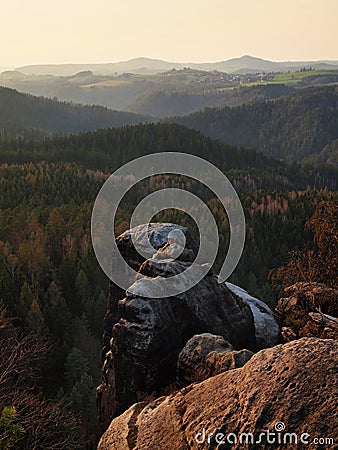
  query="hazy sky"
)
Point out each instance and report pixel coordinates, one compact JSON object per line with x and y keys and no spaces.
{"x":43,"y":31}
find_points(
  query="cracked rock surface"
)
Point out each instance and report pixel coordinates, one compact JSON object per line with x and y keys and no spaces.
{"x":293,"y":383}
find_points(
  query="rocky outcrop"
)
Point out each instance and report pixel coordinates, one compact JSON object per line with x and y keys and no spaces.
{"x":290,"y":388}
{"x":267,"y":330}
{"x":158,"y":235}
{"x":320,"y":325}
{"x":144,"y":336}
{"x":310,"y":309}
{"x":206,"y":355}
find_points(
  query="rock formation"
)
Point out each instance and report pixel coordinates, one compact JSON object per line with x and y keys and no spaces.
{"x":206,"y":355}
{"x":290,"y":388}
{"x":267,"y":330}
{"x":310,"y":309}
{"x":143,"y":336}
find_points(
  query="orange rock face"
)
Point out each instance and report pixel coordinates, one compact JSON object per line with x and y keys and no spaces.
{"x":288,"y":390}
{"x":309,"y":310}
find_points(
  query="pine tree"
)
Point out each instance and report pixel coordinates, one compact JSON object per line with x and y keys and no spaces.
{"x":75,"y":366}
{"x":25,"y":301}
{"x":35,"y":320}
{"x":82,"y":289}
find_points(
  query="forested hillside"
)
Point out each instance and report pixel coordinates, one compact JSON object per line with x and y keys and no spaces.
{"x":108,"y":149}
{"x":21,"y":112}
{"x":290,"y":128}
{"x":328,"y":156}
{"x":171,"y":102}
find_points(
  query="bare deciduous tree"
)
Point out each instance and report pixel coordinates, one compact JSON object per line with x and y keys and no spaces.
{"x":47,"y":423}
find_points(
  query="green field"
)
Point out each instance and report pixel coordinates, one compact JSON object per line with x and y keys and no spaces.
{"x":294,"y":77}
{"x":291,"y":78}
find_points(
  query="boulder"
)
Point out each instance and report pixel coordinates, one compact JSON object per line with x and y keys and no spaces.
{"x":288,"y":390}
{"x":206,"y":355}
{"x":266,"y":327}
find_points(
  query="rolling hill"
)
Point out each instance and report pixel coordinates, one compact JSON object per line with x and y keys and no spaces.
{"x":300,"y":126}
{"x":165,"y":104}
{"x":291,"y":128}
{"x":170,"y":93}
{"x":21,"y":112}
{"x":148,"y":66}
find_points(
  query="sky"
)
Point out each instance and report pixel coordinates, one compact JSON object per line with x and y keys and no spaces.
{"x":75,"y":31}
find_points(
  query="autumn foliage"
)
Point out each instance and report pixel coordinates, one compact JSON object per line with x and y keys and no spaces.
{"x":318,"y":263}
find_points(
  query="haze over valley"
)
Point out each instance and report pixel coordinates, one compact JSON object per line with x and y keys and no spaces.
{"x":162,"y":89}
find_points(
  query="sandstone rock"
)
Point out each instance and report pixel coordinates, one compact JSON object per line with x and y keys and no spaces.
{"x":292,"y":385}
{"x":143,"y":336}
{"x":150,"y":333}
{"x":309,"y":310}
{"x":206,"y":355}
{"x":159,"y":236}
{"x":266,"y":327}
{"x":320,"y":325}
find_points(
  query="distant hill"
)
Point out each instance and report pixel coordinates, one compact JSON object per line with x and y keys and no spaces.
{"x":165,"y":104}
{"x":148,"y":66}
{"x":291,"y":128}
{"x":173,"y":91}
{"x":21,"y":112}
{"x":136,"y":65}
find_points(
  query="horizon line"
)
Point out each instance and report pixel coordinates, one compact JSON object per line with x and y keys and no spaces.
{"x":11,"y":66}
